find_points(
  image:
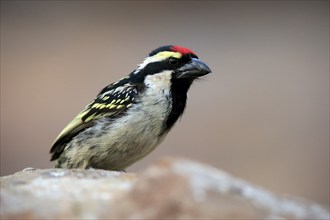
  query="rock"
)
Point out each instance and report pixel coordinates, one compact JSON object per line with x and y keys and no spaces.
{"x":171,"y":188}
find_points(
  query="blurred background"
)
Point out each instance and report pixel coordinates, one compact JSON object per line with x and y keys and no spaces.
{"x":262,"y":115}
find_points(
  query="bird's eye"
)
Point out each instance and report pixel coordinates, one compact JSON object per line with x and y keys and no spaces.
{"x":173,"y":61}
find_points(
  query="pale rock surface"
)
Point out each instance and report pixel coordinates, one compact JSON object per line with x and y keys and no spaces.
{"x":171,"y":188}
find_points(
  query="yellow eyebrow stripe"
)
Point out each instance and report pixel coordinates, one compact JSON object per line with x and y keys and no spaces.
{"x":167,"y":54}
{"x":163,"y":55}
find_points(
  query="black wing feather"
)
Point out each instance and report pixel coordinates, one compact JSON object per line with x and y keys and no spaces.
{"x":112,"y":102}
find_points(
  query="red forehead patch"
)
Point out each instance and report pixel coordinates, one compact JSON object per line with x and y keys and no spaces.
{"x":182,"y":50}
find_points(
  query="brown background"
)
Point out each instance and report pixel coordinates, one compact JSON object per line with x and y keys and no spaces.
{"x":262,"y":115}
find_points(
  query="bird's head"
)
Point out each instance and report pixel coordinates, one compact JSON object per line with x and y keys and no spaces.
{"x":169,"y":71}
{"x":179,"y":63}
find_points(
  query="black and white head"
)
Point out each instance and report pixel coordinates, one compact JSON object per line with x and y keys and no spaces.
{"x":171,"y":70}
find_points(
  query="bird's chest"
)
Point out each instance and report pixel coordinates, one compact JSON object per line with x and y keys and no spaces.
{"x":139,"y":131}
{"x":146,"y":119}
{"x":144,"y":123}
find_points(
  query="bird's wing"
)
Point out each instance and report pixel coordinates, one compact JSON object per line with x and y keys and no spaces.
{"x":111,"y":102}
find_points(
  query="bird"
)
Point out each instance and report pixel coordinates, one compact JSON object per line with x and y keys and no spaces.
{"x":129,"y":118}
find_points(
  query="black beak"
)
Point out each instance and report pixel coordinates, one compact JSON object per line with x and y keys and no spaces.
{"x":193,"y":70}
